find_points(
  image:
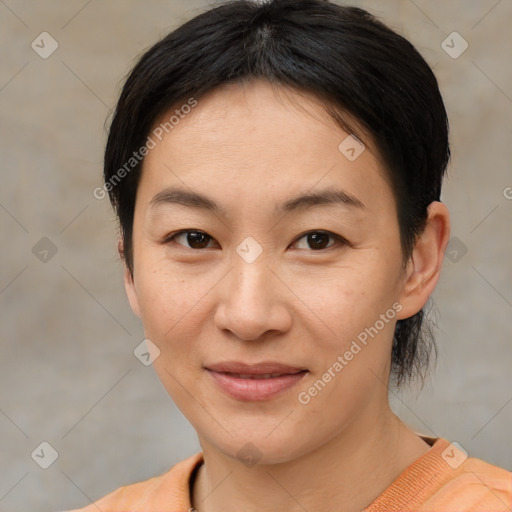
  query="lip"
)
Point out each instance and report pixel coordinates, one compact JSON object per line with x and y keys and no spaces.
{"x":254,"y":382}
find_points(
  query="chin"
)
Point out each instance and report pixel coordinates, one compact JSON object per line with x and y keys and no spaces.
{"x":251,"y":446}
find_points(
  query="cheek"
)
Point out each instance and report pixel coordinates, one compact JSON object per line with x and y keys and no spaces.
{"x":172,"y":312}
{"x":164,"y":290}
{"x":158,"y":300}
{"x":345,"y":301}
{"x":167,"y":301}
{"x":175,"y":304}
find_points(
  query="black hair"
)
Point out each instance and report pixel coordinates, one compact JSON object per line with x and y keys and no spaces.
{"x":344,"y":56}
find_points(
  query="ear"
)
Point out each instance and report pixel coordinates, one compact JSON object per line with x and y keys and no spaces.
{"x":424,"y":266}
{"x":129,"y":285}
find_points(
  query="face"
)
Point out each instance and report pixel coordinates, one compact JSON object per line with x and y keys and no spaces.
{"x":273,"y":297}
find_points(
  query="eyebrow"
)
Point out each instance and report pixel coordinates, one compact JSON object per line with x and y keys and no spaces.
{"x":330,"y":196}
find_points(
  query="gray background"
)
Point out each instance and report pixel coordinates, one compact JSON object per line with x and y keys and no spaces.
{"x":68,"y":373}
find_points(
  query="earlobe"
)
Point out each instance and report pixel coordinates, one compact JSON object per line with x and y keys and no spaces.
{"x":129,"y":285}
{"x":424,"y":267}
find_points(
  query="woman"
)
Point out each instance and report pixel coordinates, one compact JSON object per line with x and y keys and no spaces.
{"x":276,"y":170}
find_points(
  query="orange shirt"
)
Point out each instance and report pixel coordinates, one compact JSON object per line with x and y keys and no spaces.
{"x":442,"y":480}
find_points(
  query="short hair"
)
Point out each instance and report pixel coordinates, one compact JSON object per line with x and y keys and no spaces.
{"x":344,"y":56}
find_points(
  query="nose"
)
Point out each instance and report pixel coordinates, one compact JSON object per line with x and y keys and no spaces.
{"x":252,"y":301}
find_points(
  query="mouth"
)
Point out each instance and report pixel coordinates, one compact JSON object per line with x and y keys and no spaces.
{"x":257,"y":382}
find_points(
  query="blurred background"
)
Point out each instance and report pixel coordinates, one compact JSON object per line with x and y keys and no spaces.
{"x":69,"y":378}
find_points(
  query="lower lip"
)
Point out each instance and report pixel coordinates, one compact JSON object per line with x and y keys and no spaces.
{"x":255,"y":389}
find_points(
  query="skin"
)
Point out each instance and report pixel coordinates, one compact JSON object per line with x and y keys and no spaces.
{"x":249,"y":148}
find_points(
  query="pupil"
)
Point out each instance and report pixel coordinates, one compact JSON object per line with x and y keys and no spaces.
{"x":318,"y":239}
{"x":197,"y":240}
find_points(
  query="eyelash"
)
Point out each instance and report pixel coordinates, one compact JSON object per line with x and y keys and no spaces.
{"x":338,"y":238}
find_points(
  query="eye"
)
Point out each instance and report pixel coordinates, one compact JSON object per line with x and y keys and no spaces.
{"x":318,"y":240}
{"x":194,"y":238}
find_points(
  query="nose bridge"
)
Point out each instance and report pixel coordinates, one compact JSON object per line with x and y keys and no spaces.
{"x":250,"y":272}
{"x":249,"y":305}
{"x":249,"y":279}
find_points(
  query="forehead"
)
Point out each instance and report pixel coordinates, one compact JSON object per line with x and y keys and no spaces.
{"x":256,"y":137}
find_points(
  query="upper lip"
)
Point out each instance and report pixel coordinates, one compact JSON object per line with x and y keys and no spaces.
{"x":263,"y":368}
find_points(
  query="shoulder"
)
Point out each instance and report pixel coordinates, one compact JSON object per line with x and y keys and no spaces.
{"x":474,"y":485}
{"x":445,"y":479}
{"x":169,"y":491}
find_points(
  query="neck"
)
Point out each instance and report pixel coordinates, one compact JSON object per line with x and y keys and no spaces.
{"x":350,"y":470}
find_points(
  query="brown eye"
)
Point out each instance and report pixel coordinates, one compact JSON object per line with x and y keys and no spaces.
{"x":318,"y":240}
{"x":195,"y":239}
